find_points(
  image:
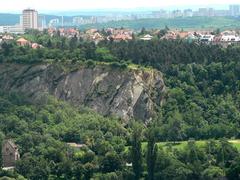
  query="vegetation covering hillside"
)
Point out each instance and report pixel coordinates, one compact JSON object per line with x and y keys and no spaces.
{"x":42,"y":130}
{"x":203,"y":103}
{"x":9,"y":19}
{"x":203,"y":82}
{"x":179,"y":23}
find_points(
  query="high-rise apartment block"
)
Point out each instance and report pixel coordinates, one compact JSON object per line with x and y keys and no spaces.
{"x":234,"y":10}
{"x":29,"y":19}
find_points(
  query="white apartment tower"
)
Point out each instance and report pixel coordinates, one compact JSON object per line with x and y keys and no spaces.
{"x":234,"y":10}
{"x":29,"y":19}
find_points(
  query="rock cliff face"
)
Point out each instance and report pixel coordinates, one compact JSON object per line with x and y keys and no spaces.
{"x":110,"y":91}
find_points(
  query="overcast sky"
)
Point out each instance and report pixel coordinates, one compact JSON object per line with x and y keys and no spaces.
{"x":66,"y":5}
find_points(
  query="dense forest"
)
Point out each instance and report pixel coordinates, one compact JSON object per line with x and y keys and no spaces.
{"x":202,"y":103}
{"x":203,"y":82}
{"x":42,"y":130}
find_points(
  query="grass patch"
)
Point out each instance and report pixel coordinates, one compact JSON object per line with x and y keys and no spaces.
{"x":236,"y":143}
{"x":182,"y":144}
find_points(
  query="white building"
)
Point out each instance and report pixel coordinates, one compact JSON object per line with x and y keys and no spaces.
{"x":29,"y":19}
{"x":41,"y":22}
{"x":188,"y":13}
{"x":234,"y":10}
{"x":53,"y":22}
{"x":207,"y":38}
{"x":147,"y":37}
{"x":12,"y":29}
{"x":230,"y":38}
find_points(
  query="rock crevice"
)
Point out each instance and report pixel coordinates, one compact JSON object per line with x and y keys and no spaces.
{"x":110,"y":91}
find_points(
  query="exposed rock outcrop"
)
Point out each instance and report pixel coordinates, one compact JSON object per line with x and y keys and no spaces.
{"x":110,"y":91}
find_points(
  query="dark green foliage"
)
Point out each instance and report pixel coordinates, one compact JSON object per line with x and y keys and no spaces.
{"x":152,"y":151}
{"x":111,"y":162}
{"x":73,"y":43}
{"x":42,"y":130}
{"x":136,"y":151}
{"x":202,"y":102}
{"x":203,"y":86}
{"x":234,"y":170}
{"x":213,"y":172}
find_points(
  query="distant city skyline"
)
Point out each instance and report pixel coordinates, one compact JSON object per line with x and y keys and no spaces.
{"x":16,"y":6}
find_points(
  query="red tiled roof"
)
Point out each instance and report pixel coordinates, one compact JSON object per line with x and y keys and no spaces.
{"x":22,"y":40}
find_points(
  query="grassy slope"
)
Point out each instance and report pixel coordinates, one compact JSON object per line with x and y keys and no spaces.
{"x":182,"y":144}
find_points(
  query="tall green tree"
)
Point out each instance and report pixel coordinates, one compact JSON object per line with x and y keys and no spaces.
{"x":136,"y":151}
{"x":175,"y":127}
{"x":73,"y":43}
{"x":234,"y":170}
{"x":152,"y":150}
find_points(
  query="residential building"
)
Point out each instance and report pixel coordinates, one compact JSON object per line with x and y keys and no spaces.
{"x":188,"y":13}
{"x":97,"y":37}
{"x":29,"y":19}
{"x":121,"y":37}
{"x":170,"y":35}
{"x":230,"y":38}
{"x":91,"y":31}
{"x":7,"y":37}
{"x":41,"y":22}
{"x":23,"y":42}
{"x":207,"y":38}
{"x":36,"y":46}
{"x":229,"y":32}
{"x":205,"y":12}
{"x":182,"y":34}
{"x":78,"y":20}
{"x":192,"y":37}
{"x":160,"y":14}
{"x":221,"y":12}
{"x":177,"y":13}
{"x":147,"y":37}
{"x":12,"y":29}
{"x":54,"y":23}
{"x":211,"y":12}
{"x":176,"y":35}
{"x":234,"y":10}
{"x":10,"y":153}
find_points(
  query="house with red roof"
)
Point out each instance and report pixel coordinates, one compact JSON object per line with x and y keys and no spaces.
{"x":23,"y":42}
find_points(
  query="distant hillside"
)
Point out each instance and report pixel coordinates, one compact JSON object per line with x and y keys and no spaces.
{"x":9,"y":19}
{"x":185,"y":23}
